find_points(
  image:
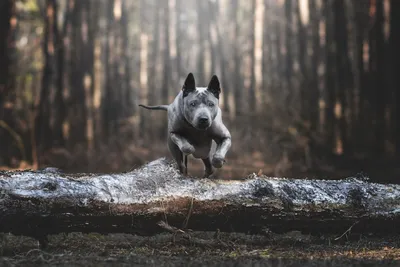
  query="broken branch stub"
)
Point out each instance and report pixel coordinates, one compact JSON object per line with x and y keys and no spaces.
{"x":37,"y":203}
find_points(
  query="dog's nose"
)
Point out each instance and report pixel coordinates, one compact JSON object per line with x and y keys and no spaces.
{"x":203,"y":120}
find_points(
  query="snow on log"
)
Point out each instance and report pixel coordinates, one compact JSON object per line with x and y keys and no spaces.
{"x":38,"y":203}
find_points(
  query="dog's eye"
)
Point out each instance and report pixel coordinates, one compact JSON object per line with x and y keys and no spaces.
{"x":210,"y":104}
{"x":193,"y":104}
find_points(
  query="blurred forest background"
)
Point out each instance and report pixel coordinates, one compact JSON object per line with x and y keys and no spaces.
{"x":310,"y":87}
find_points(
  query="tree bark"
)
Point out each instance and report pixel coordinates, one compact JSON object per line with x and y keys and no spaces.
{"x":38,"y":203}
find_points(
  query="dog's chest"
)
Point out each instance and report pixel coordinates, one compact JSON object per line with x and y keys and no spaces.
{"x":197,"y":138}
{"x":201,"y":140}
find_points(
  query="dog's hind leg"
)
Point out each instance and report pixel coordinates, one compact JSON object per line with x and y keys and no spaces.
{"x":177,"y":155}
{"x":208,"y":167}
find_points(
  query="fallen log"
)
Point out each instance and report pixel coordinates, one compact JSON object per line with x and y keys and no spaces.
{"x":38,"y":203}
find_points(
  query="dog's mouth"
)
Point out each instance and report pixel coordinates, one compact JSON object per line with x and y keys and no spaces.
{"x":202,"y":126}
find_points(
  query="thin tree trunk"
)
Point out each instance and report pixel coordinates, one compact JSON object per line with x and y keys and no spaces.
{"x":342,"y":68}
{"x":288,"y":44}
{"x":61,"y":112}
{"x":380,"y":88}
{"x":266,"y":51}
{"x":277,"y":59}
{"x":395,"y":64}
{"x":330,"y":81}
{"x":166,"y":54}
{"x":91,"y":17}
{"x":8,"y":22}
{"x":237,"y":81}
{"x":5,"y":41}
{"x":146,"y":81}
{"x":305,"y":88}
{"x":361,"y":17}
{"x":201,"y":71}
{"x":107,"y":99}
{"x":252,"y":86}
{"x":78,"y":112}
{"x":314,"y":95}
{"x":178,"y":4}
{"x":215,"y":9}
{"x":154,"y":95}
{"x":211,"y":39}
{"x":46,"y":114}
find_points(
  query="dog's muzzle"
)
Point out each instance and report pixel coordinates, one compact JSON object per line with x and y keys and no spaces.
{"x":203,"y":123}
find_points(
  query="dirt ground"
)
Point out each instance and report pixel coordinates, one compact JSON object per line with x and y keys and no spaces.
{"x":203,"y":249}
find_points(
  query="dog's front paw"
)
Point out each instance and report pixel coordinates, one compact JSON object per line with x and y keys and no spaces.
{"x":217,"y":161}
{"x":188,"y":149}
{"x":209,"y":173}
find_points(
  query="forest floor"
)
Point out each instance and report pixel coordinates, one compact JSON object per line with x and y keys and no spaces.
{"x":233,"y":249}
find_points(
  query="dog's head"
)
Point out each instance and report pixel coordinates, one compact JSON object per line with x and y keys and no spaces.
{"x":200,"y":104}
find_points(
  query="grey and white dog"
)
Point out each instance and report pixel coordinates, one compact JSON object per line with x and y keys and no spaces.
{"x":195,"y":123}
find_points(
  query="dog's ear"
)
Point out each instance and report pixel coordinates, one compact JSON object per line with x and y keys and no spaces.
{"x":214,"y":86}
{"x":189,"y":85}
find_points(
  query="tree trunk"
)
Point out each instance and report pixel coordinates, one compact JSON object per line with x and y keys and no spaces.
{"x":178,"y":7}
{"x":288,"y":44}
{"x":201,"y":77}
{"x":395,"y":64}
{"x":48,"y":202}
{"x":237,"y":81}
{"x":361,"y":123}
{"x":107,"y":100}
{"x":380,"y":85}
{"x":6,"y":74}
{"x":306,"y":91}
{"x":60,"y":116}
{"x":5,"y":29}
{"x":252,"y":87}
{"x":342,"y":70}
{"x":50,"y":114}
{"x":81,"y":69}
{"x":166,"y":54}
{"x":314,"y":95}
{"x":146,"y":76}
{"x":127,"y":58}
{"x":214,"y":8}
{"x":330,"y":81}
{"x":266,"y":53}
{"x":154,"y":87}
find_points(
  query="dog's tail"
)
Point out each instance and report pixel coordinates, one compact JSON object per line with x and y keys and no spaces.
{"x":160,"y":107}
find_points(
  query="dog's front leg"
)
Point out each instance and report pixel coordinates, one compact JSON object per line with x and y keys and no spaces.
{"x":182,"y":143}
{"x":222,"y":148}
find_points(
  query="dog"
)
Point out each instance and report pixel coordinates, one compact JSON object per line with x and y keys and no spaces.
{"x":195,"y":126}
